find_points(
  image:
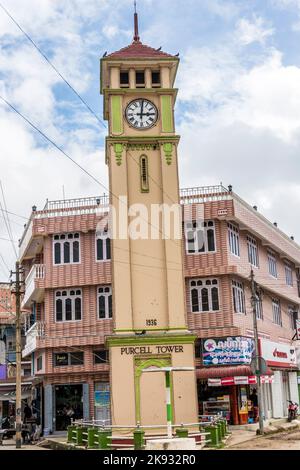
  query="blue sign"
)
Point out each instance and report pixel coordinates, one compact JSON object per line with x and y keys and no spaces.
{"x":232,"y":350}
{"x":102,"y":399}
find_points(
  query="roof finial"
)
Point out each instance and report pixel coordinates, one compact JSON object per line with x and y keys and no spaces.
{"x":136,"y":37}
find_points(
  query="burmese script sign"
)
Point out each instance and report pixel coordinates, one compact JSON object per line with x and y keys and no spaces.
{"x":136,"y":350}
{"x":227,"y":351}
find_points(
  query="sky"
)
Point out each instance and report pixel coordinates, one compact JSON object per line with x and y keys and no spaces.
{"x":238,"y":108}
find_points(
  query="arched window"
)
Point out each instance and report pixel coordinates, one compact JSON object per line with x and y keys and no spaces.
{"x":204,"y":295}
{"x":200,"y":236}
{"x":103,"y":245}
{"x":144,"y":174}
{"x":66,"y":248}
{"x":104,"y":302}
{"x":68,"y":305}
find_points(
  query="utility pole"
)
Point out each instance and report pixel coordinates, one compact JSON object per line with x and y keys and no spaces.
{"x":17,"y":293}
{"x":257,"y":358}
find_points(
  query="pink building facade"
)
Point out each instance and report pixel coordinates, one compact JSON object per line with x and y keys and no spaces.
{"x":8,"y":356}
{"x":68,"y":309}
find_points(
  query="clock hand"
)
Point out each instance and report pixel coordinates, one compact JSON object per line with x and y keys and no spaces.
{"x":142,"y":110}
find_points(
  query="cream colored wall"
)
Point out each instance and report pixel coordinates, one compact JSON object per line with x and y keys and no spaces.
{"x":148,"y":281}
{"x":153,"y":399}
{"x":152,"y":389}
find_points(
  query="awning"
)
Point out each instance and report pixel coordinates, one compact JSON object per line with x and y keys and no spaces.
{"x":228,"y":371}
{"x":11,"y":395}
{"x":215,"y":372}
{"x":243,"y":380}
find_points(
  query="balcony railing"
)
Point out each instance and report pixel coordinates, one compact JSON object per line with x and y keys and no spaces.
{"x":32,"y":288}
{"x":77,"y":203}
{"x":35,"y":332}
{"x":204,"y":194}
{"x":61,"y":208}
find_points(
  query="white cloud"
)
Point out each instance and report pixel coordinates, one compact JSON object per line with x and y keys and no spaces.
{"x":248,"y":32}
{"x":241,"y":126}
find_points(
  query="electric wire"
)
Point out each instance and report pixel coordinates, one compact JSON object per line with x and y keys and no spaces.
{"x":52,"y":142}
{"x":70,"y":158}
{"x":52,"y":65}
{"x":7,"y":221}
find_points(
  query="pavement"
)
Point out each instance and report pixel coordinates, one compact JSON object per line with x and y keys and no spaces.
{"x":10,"y":444}
{"x":279,"y":434}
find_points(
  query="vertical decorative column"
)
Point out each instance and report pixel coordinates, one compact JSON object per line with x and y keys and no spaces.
{"x":169,"y":404}
{"x":48,"y":408}
{"x":86,"y":401}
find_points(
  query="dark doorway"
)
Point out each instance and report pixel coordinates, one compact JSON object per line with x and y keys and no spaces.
{"x":68,"y":405}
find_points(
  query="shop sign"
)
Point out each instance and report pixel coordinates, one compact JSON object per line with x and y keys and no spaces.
{"x":250,"y":380}
{"x":277,"y":354}
{"x":61,"y":359}
{"x":136,"y":350}
{"x":102,"y":399}
{"x":226,"y":351}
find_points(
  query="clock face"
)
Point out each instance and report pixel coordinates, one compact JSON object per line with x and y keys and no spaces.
{"x":141,"y":114}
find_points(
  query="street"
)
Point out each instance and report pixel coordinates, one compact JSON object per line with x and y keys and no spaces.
{"x":10,"y":444}
{"x":280,"y":441}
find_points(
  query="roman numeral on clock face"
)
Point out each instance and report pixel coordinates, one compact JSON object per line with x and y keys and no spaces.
{"x":141,"y":114}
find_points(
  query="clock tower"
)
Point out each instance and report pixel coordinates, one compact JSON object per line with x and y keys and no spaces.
{"x":149,"y":311}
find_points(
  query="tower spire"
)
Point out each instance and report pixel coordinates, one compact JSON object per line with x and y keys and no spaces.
{"x":136,"y":36}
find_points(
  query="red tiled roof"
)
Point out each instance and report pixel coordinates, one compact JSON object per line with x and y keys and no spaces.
{"x":138,"y":50}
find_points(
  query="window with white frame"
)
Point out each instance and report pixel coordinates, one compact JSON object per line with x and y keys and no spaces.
{"x":200,"y":237}
{"x":252,"y":251}
{"x":259,"y":309}
{"x":238,"y":297}
{"x":66,"y":248}
{"x":234,"y":239}
{"x":104,"y":302}
{"x":204,"y":295}
{"x":288,"y":275}
{"x":68,"y":305}
{"x":272,"y":262}
{"x":293,"y":316}
{"x":103,"y":245}
{"x":276,"y":308}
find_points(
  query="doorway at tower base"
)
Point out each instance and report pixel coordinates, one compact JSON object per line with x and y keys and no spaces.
{"x":141,"y":398}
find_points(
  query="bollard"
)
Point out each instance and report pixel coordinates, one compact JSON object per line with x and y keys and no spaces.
{"x":224,"y":424}
{"x":91,"y":438}
{"x":220,"y":430}
{"x":138,"y":438}
{"x":214,"y":436}
{"x":227,"y":432}
{"x":79,"y":435}
{"x":71,"y":437}
{"x":182,"y":432}
{"x":103,"y":439}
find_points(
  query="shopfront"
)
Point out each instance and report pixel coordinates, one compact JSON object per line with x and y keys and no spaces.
{"x":226,"y":383}
{"x":68,"y":405}
{"x":281,"y":359}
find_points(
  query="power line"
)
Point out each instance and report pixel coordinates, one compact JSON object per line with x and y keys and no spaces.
{"x":7,"y":240}
{"x":70,"y":158}
{"x":6,"y":220}
{"x":17,"y":215}
{"x":4,"y":262}
{"x":52,"y":65}
{"x":52,"y":142}
{"x":12,"y":221}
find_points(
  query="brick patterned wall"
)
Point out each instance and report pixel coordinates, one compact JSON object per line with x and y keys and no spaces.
{"x":90,"y":332}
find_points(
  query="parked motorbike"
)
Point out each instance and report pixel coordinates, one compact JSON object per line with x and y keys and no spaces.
{"x":5,"y":424}
{"x":292,"y":410}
